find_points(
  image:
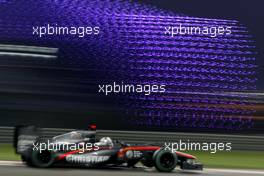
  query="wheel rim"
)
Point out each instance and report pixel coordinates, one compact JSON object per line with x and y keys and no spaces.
{"x":167,"y":160}
{"x":44,"y":157}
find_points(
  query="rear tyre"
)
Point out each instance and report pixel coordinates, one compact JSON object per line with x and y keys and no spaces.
{"x":27,"y":161}
{"x":165,"y":161}
{"x":42,"y":159}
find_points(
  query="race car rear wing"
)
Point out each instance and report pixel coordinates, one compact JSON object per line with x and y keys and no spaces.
{"x":24,"y":137}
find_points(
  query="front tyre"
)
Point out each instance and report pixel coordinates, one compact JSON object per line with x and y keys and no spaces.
{"x":165,"y":161}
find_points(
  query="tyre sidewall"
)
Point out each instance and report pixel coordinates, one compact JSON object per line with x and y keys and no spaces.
{"x":35,"y":161}
{"x":157,"y":156}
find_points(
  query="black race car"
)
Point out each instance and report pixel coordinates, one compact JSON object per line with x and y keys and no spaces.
{"x":82,"y":148}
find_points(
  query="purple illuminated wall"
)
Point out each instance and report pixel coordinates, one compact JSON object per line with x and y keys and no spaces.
{"x":199,"y":71}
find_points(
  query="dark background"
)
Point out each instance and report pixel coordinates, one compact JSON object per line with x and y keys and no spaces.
{"x":61,"y":96}
{"x":248,"y":12}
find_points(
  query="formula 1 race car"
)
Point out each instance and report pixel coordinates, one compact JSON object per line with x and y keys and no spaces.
{"x":82,"y":148}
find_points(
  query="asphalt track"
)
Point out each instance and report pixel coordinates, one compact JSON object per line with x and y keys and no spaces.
{"x":10,"y":168}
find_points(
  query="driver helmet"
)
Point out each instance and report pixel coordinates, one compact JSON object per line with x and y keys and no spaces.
{"x":107,"y":141}
{"x":75,"y":135}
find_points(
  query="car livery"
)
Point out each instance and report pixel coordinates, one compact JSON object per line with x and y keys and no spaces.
{"x":83,"y":148}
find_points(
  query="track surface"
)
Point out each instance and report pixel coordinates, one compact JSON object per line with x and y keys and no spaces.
{"x":17,"y":168}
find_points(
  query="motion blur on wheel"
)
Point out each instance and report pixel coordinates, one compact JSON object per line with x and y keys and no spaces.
{"x":83,"y":148}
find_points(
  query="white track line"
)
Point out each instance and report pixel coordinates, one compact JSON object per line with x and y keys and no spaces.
{"x":11,"y":163}
{"x":234,"y":171}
